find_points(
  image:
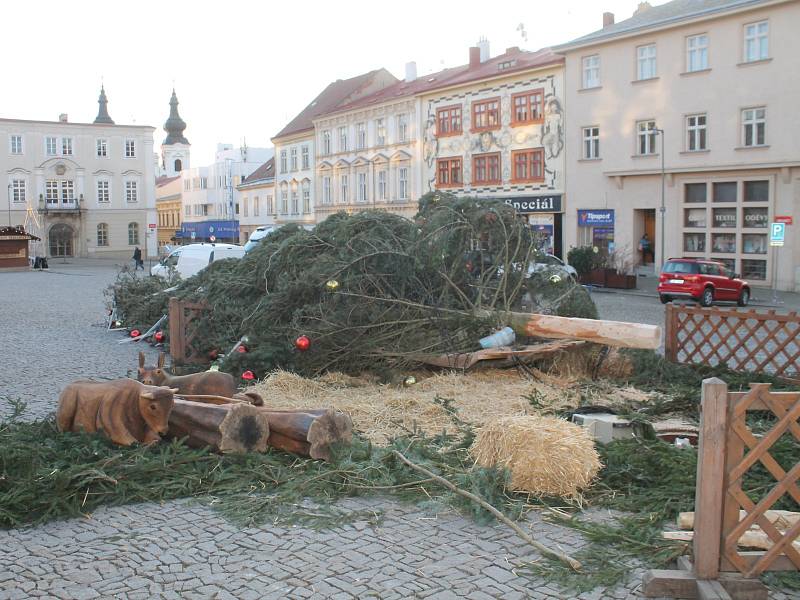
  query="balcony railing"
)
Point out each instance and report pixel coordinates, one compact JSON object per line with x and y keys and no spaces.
{"x":60,"y":207}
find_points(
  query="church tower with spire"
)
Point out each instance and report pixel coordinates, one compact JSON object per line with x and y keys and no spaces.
{"x":103,"y":117}
{"x":175,"y":148}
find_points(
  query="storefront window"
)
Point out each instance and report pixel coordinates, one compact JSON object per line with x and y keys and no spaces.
{"x":754,"y":269}
{"x":695,"y":192}
{"x":756,"y":191}
{"x":725,"y":217}
{"x":730,"y":263}
{"x":694,"y":242}
{"x":723,"y":242}
{"x":725,"y":191}
{"x":754,"y":243}
{"x":755,"y":217}
{"x":694,"y":217}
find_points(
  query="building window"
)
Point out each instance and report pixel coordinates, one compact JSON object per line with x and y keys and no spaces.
{"x":326,"y":189}
{"x":284,"y":202}
{"x":133,"y":234}
{"x":326,"y":142}
{"x":756,"y":191}
{"x":486,"y":114}
{"x":448,"y":121}
{"x":361,"y":136}
{"x":103,"y":191}
{"x":269,"y":208}
{"x":380,"y":132}
{"x":646,"y":61}
{"x":203,"y":183}
{"x":591,"y":143}
{"x":293,"y":152}
{"x":66,"y":146}
{"x":402,"y":181}
{"x":402,"y":128}
{"x":646,"y":137}
{"x":102,"y":148}
{"x":362,"y":187}
{"x":256,"y":207}
{"x":295,"y":203}
{"x":342,"y":139}
{"x":304,"y":157}
{"x":591,"y":71}
{"x":528,"y":165}
{"x":51,"y":146}
{"x":724,"y":191}
{"x":448,"y":172}
{"x":102,"y":234}
{"x":696,"y":53}
{"x":306,"y":201}
{"x":695,"y":192}
{"x":130,"y":148}
{"x":245,"y":207}
{"x":756,"y":41}
{"x":486,"y":169}
{"x":131,"y":191}
{"x":16,"y":144}
{"x":382,"y":185}
{"x":68,"y":191}
{"x":754,"y":123}
{"x":187,"y":211}
{"x":283,"y":161}
{"x":177,"y":165}
{"x":18,"y":190}
{"x":345,"y":197}
{"x":527,"y":107}
{"x":696,"y":133}
{"x":51,"y":191}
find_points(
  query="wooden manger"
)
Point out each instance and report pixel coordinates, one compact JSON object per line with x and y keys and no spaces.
{"x":723,"y":511}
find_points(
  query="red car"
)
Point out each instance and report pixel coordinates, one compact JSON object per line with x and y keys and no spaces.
{"x":705,"y":281}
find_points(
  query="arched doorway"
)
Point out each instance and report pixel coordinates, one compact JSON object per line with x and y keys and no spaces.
{"x":60,"y":239}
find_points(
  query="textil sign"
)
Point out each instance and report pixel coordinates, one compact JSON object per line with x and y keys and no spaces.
{"x":595,"y":218}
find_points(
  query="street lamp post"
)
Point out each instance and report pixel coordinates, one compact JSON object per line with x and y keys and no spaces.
{"x":9,"y":204}
{"x":663,"y":208}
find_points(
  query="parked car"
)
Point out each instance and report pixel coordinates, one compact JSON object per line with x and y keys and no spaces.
{"x":258,"y":235}
{"x":705,"y":281}
{"x":190,"y":260}
{"x":546,"y":263}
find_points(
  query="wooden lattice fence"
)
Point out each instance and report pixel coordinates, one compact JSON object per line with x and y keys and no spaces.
{"x":743,"y":340}
{"x":723,"y":511}
{"x":183,"y":329}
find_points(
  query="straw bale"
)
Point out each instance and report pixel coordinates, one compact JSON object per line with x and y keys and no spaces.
{"x":545,"y":455}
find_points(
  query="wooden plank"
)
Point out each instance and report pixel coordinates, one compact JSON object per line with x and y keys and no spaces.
{"x":670,"y":333}
{"x":710,"y":469}
{"x":750,"y":558}
{"x":610,"y":333}
{"x":711,"y":589}
{"x":749,"y":539}
{"x":783,"y":519}
{"x":659,"y":583}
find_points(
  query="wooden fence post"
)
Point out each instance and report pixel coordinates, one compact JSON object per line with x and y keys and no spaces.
{"x":708,"y":502}
{"x":670,"y":333}
{"x":176,"y":333}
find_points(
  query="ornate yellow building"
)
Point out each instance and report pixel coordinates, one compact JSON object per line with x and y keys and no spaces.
{"x":168,"y":206}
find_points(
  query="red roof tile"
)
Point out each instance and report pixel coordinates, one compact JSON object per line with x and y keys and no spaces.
{"x":265,"y":171}
{"x":337,"y":93}
{"x":164,"y":180}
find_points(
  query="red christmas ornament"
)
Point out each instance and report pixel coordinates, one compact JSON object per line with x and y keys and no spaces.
{"x":302,"y":343}
{"x":213,"y":354}
{"x":248,"y":375}
{"x":242,"y":349}
{"x":159,"y":336}
{"x":135,"y":333}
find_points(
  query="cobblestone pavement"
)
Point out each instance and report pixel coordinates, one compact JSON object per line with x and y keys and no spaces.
{"x":50,"y":328}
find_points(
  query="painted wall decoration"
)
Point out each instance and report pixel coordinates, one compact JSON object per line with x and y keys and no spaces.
{"x":547,"y":135}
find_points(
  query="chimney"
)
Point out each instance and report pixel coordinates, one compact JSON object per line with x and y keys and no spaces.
{"x":608,"y":19}
{"x":513,"y":50}
{"x":643,"y":6}
{"x":62,"y":117}
{"x":483,"y":44}
{"x":411,"y":71}
{"x":474,"y":57}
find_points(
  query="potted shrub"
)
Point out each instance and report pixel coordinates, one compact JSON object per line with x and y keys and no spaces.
{"x":619,"y":269}
{"x":588,"y":262}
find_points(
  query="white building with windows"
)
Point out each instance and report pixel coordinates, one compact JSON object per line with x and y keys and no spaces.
{"x":87,"y":189}
{"x":708,"y":89}
{"x":296,"y":150}
{"x":257,"y":200}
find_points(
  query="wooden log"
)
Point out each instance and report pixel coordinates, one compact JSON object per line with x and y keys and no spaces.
{"x":234,"y":427}
{"x":782,"y":519}
{"x":310,"y":433}
{"x":610,"y":333}
{"x":753,"y":538}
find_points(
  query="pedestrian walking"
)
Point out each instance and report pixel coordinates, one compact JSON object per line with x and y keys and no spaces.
{"x":646,"y":249}
{"x":137,"y":259}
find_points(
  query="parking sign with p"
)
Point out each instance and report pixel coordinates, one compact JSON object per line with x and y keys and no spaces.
{"x":777,"y":234}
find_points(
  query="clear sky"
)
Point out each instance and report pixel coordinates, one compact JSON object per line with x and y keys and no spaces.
{"x":243,"y":69}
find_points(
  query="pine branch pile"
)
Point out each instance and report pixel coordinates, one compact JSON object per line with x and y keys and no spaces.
{"x":372,"y":290}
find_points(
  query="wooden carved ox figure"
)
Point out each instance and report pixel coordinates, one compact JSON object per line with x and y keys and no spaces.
{"x":124,"y":410}
{"x":214,"y":383}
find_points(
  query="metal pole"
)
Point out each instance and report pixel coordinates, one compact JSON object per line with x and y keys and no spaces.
{"x":663,"y":207}
{"x":9,"y":204}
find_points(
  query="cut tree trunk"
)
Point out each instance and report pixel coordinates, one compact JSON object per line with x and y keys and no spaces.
{"x":311,"y":433}
{"x":610,"y":333}
{"x":234,"y":427}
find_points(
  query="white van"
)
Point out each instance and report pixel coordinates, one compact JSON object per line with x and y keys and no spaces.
{"x":258,"y":235}
{"x":189,"y":260}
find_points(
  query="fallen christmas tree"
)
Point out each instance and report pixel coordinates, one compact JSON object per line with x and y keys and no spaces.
{"x":369,"y":291}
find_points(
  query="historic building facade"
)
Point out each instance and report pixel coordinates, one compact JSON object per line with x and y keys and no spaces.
{"x":494,"y":128}
{"x":168,"y":206}
{"x":706,"y":90}
{"x":257,"y":200}
{"x":87,"y":189}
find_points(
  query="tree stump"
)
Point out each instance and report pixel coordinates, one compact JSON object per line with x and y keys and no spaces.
{"x":235,"y":427}
{"x":310,"y":433}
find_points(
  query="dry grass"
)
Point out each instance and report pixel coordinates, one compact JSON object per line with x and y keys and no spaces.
{"x":545,"y":455}
{"x":383,"y":411}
